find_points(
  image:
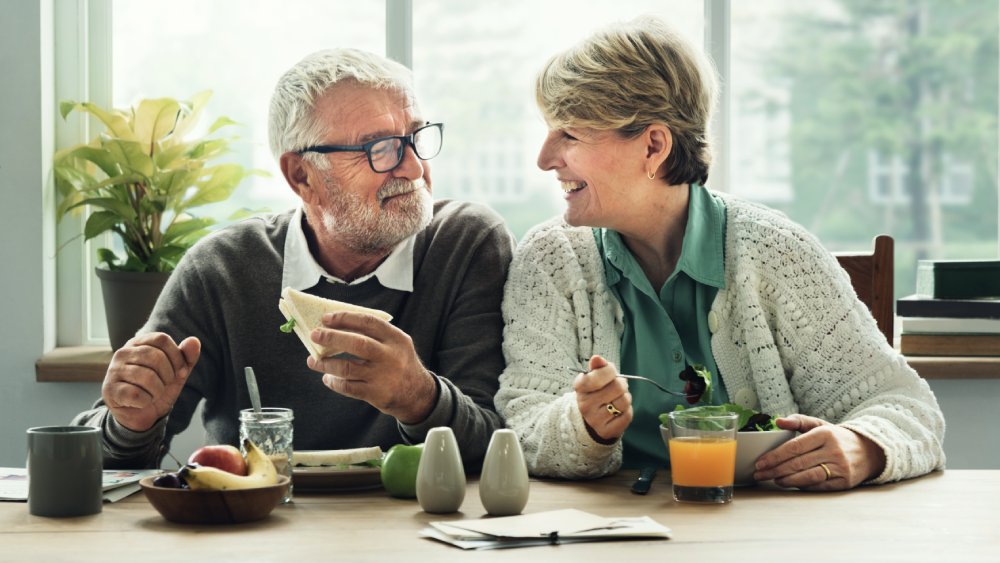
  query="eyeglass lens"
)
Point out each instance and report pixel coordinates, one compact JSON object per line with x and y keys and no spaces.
{"x":388,"y":153}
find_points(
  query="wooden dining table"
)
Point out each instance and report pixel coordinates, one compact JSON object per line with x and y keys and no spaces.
{"x":951,"y":515}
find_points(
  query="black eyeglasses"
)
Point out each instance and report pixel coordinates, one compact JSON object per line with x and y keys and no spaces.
{"x":385,"y":153}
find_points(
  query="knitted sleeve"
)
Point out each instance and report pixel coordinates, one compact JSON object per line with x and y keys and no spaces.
{"x":554,"y":302}
{"x":794,"y":325}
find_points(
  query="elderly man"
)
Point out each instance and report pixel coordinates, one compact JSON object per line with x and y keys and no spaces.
{"x":353,"y":145}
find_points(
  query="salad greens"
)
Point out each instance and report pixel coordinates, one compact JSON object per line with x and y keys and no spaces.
{"x":748,"y":419}
{"x":697,"y":383}
{"x":288,"y":327}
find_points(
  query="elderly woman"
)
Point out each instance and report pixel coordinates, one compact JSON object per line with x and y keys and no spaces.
{"x":649,"y":272}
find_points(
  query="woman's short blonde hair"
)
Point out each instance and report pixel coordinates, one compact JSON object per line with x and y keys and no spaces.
{"x":628,"y":76}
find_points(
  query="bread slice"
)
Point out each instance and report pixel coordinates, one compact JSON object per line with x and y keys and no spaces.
{"x":317,"y":458}
{"x":308,"y":310}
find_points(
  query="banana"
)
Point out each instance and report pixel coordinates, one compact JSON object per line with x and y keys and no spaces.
{"x":260,"y":473}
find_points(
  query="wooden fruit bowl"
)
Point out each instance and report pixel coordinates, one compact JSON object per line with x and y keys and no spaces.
{"x":185,"y":506}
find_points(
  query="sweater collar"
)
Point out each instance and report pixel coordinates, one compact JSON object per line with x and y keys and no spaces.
{"x":301,"y":271}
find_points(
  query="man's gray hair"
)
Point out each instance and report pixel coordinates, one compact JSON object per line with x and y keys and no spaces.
{"x":291,"y":126}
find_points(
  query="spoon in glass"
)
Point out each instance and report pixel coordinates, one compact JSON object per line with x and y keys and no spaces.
{"x":637,"y":378}
{"x":252,"y":388}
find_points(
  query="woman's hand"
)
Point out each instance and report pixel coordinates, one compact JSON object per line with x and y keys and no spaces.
{"x":849,"y":458}
{"x":604,"y":401}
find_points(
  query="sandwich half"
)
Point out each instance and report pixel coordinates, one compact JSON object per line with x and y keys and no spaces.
{"x":334,"y":458}
{"x":305,"y":312}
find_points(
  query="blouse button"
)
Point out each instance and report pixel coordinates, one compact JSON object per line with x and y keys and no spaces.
{"x":713,"y":322}
{"x":678,"y":356}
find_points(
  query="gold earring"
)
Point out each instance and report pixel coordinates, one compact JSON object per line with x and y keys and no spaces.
{"x":650,"y":175}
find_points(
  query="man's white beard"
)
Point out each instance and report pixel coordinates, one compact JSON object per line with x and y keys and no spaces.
{"x":370,"y":231}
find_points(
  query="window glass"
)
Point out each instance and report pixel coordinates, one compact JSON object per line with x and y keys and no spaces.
{"x":863,"y":117}
{"x":475,"y":66}
{"x":238,"y":49}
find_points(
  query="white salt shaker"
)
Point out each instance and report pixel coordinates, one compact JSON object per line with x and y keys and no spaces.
{"x":440,"y":475}
{"x":503,"y":483}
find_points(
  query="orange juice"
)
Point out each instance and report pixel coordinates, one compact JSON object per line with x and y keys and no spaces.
{"x":702,"y":462}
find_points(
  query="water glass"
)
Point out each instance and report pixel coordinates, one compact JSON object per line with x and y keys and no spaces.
{"x":271,"y":430}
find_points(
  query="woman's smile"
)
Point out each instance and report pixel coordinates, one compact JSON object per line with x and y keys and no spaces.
{"x":572,"y":187}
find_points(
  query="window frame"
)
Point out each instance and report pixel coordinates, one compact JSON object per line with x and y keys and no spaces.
{"x":83,"y":70}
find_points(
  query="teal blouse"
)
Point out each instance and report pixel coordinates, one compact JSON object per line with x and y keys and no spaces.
{"x":667,"y":330}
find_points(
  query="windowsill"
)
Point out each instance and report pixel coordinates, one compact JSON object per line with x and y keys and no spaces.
{"x":89,"y":363}
{"x":74,"y":363}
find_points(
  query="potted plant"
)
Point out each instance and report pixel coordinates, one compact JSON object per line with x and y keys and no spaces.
{"x":141,"y":177}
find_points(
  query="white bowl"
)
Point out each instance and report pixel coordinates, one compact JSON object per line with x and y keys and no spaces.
{"x":750,"y":445}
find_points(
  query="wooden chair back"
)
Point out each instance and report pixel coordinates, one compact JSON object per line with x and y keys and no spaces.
{"x":871,"y":276}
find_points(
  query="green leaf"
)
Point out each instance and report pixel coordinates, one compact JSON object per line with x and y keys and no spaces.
{"x":288,"y":327}
{"x":154,"y":120}
{"x":703,"y":373}
{"x":71,"y":179}
{"x":129,"y":156}
{"x":118,"y":184}
{"x":108,"y":258}
{"x":170,"y":253}
{"x":208,"y":149}
{"x":100,"y":222}
{"x":180,"y":229}
{"x":120,"y":209}
{"x":171,"y":157}
{"x":220,"y":123}
{"x":219,"y":186}
{"x":243,"y":213}
{"x":175,"y":183}
{"x":192,"y":113}
{"x":116,"y":121}
{"x":96,"y":155}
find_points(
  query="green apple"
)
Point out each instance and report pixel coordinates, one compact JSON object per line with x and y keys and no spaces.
{"x":399,"y":470}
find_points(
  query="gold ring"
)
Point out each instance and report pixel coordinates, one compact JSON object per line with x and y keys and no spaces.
{"x":827,"y":469}
{"x":613,"y":410}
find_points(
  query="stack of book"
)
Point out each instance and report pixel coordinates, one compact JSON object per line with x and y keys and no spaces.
{"x":955,"y":312}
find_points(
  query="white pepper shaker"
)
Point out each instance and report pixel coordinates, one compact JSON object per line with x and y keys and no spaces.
{"x":503,"y":483}
{"x":440,"y":475}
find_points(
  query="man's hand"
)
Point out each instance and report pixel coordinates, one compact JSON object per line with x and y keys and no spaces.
{"x":385,"y":373}
{"x":849,"y":457}
{"x":145,"y":377}
{"x":596,"y":390}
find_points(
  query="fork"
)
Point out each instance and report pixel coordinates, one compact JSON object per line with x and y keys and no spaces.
{"x":637,"y":378}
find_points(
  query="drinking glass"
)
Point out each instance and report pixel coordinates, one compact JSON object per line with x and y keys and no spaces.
{"x":271,"y":430}
{"x":702,"y":456}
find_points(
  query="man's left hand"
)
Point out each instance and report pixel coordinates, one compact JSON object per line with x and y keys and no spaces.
{"x":850,"y":458}
{"x":385,"y":371}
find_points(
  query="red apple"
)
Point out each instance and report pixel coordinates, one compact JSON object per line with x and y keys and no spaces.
{"x":226,"y":458}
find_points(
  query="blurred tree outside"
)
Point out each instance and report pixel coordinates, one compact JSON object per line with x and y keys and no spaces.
{"x":892,"y":125}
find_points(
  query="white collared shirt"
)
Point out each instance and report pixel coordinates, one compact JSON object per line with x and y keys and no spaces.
{"x":301,"y":271}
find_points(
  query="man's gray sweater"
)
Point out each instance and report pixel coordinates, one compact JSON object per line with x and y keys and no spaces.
{"x":226,"y":289}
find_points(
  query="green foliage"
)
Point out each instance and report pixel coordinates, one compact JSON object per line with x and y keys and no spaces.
{"x":142,"y":178}
{"x":911,"y":79}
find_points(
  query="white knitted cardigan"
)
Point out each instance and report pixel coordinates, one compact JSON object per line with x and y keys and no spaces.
{"x":790,"y":336}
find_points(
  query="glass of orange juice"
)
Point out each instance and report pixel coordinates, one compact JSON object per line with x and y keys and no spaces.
{"x":703,"y":455}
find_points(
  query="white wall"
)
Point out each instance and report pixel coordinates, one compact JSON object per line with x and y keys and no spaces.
{"x":25,"y":257}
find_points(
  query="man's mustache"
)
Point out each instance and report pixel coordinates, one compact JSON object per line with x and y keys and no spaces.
{"x":398,"y":186}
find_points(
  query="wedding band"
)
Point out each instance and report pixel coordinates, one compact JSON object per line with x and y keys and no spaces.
{"x":613,"y":410}
{"x":827,"y":469}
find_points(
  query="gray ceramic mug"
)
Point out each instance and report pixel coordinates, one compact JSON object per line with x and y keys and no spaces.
{"x":64,"y":470}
